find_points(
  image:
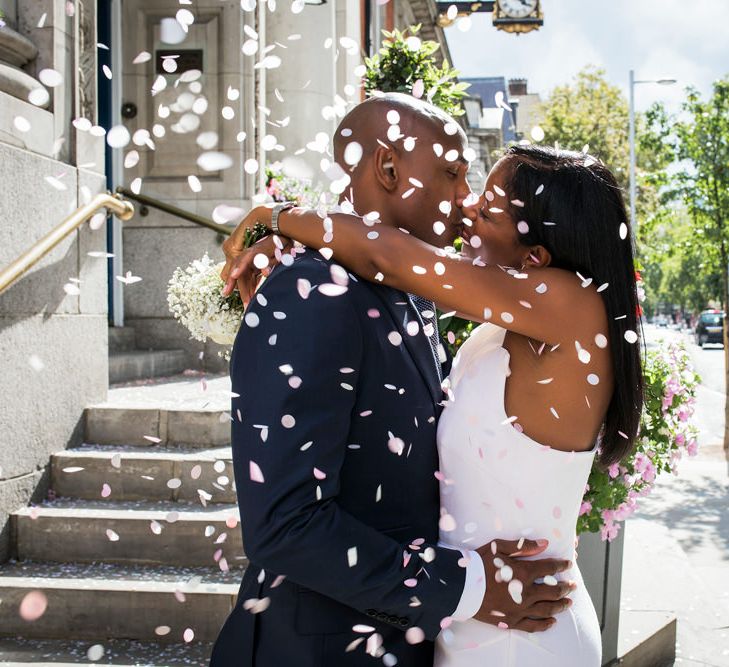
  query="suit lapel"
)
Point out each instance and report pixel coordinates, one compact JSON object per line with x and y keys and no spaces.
{"x":402,"y":311}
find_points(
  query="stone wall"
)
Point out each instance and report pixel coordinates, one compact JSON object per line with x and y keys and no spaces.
{"x":53,"y":338}
{"x":155,"y":244}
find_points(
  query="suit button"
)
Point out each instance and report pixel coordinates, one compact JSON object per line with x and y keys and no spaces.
{"x":382,"y":617}
{"x":371,"y":612}
{"x":393,"y":619}
{"x":404,"y":622}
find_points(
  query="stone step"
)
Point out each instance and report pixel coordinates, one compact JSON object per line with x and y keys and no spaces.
{"x":71,"y":530}
{"x":102,"y":601}
{"x":18,"y":652}
{"x":122,"y":339}
{"x":133,"y":425}
{"x":143,"y":473}
{"x":137,"y":364}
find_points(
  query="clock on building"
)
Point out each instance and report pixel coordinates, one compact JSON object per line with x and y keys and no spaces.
{"x":517,"y":15}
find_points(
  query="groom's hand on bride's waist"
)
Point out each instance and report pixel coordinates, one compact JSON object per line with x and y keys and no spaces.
{"x":522,"y":594}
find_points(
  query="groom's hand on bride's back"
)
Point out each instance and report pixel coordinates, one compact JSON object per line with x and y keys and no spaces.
{"x":513,"y":597}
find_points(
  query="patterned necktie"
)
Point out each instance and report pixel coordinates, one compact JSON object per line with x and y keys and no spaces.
{"x":428,"y":307}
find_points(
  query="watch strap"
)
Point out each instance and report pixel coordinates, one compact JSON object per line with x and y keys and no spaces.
{"x":277,"y":210}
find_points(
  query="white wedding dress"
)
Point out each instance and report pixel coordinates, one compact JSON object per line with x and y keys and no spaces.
{"x":498,"y":483}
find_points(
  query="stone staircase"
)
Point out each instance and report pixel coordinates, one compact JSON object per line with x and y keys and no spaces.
{"x":138,"y":550}
{"x":127,"y":362}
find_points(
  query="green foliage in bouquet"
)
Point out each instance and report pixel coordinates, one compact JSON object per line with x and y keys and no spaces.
{"x":406,"y":64}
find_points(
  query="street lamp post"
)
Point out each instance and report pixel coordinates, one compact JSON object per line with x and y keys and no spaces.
{"x":633,"y":83}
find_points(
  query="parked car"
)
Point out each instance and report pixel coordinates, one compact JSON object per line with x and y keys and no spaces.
{"x":709,"y":328}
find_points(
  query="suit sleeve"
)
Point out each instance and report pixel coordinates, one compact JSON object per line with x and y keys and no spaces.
{"x":290,"y":427}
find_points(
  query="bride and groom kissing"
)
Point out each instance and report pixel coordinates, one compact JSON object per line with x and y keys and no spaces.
{"x":399,"y":506}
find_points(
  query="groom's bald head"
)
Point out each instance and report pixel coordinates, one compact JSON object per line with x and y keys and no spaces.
{"x":406,"y":160}
{"x":372,"y":119}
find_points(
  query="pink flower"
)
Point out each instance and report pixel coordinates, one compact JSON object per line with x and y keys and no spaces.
{"x":680,"y":439}
{"x":693,"y":447}
{"x":586,"y":507}
{"x":614,"y":470}
{"x":649,"y":474}
{"x":609,"y":532}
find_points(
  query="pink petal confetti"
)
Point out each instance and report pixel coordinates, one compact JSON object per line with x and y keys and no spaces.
{"x":414,"y":635}
{"x":188,"y":635}
{"x":411,"y":583}
{"x":362,"y":629}
{"x":319,"y":474}
{"x":353,"y":645}
{"x":162,"y":630}
{"x":33,"y":606}
{"x":330,"y":289}
{"x":288,"y":421}
{"x":255,"y":472}
{"x":516,"y":588}
{"x":447,"y":523}
{"x":396,"y":445}
{"x":105,"y":491}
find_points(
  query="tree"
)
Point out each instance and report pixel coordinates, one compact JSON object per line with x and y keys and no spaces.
{"x":406,"y":64}
{"x":675,"y":268}
{"x":591,"y":112}
{"x":699,"y":138}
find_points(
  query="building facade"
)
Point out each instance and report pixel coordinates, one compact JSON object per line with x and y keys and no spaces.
{"x":96,"y":94}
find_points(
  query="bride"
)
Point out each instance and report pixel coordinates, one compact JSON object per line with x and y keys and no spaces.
{"x":551,"y":379}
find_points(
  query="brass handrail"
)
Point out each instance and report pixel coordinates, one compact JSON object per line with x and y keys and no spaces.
{"x":122,"y":209}
{"x":174,"y":210}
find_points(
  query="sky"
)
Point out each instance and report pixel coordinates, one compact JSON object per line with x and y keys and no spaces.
{"x":687,"y":40}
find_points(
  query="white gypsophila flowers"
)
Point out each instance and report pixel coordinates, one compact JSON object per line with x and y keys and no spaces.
{"x":195,"y":299}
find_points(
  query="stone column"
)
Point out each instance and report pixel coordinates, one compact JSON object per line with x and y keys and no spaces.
{"x":316,"y":78}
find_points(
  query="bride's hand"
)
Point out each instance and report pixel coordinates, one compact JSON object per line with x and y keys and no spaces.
{"x":246,"y":267}
{"x":233,"y":246}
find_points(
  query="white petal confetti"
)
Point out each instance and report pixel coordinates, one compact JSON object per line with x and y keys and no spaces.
{"x":50,"y":77}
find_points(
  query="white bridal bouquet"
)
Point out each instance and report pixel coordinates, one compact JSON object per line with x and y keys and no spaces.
{"x":195,"y":299}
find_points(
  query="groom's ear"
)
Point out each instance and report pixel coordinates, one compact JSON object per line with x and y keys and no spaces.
{"x":385,"y":166}
{"x":538,"y":256}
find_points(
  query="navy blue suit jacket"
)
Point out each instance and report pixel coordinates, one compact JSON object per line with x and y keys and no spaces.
{"x":334,"y":450}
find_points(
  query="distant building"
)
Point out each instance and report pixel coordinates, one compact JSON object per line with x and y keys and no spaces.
{"x":527,"y":107}
{"x":491,"y":125}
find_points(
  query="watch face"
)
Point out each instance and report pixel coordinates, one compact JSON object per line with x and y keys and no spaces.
{"x":518,"y":9}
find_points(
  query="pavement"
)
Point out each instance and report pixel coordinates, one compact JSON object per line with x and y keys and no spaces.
{"x":676,"y":555}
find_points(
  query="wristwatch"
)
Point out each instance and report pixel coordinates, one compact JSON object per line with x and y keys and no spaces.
{"x":277,"y":210}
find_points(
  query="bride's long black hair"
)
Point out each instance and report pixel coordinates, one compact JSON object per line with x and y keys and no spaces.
{"x":589,"y":233}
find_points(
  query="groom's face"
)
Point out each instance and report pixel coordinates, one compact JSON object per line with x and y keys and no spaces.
{"x":416,"y":179}
{"x":432,"y":185}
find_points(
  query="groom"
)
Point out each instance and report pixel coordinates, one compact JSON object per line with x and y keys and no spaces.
{"x":334,"y":439}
